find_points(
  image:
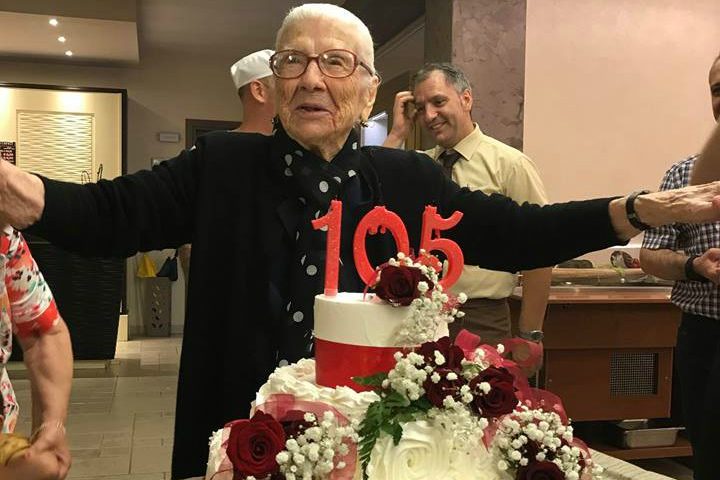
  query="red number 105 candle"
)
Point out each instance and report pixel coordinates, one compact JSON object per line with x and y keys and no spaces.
{"x":379,"y":219}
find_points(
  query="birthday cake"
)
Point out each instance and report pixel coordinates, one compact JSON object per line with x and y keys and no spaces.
{"x":390,"y":397}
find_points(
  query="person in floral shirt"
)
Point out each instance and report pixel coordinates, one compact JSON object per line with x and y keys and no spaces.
{"x":27,"y":309}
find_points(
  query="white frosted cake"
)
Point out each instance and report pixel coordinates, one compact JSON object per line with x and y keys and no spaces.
{"x":419,"y":410}
{"x":356,"y":335}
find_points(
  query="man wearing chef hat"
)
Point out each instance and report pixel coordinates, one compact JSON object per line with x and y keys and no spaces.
{"x":255,"y":86}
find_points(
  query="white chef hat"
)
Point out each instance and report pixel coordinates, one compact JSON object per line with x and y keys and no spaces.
{"x":252,"y":67}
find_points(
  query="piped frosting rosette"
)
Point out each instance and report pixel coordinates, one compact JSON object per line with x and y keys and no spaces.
{"x":288,"y":438}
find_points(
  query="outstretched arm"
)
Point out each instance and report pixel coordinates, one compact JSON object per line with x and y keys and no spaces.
{"x":143,"y":211}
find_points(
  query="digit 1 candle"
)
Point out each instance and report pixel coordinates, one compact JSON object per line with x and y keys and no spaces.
{"x":333,"y":221}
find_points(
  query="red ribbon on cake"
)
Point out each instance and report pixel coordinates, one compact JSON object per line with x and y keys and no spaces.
{"x":280,"y":404}
{"x":349,"y":361}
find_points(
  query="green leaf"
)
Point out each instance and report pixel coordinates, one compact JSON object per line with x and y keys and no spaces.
{"x":395,"y":400}
{"x":372,"y":380}
{"x":422,"y":404}
{"x":394,"y":429}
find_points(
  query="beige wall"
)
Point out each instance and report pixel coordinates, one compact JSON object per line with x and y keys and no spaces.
{"x":162,"y":92}
{"x":105,"y":108}
{"x":616,"y":90}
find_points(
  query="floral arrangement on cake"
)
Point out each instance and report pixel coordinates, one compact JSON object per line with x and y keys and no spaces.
{"x":414,"y":282}
{"x":289,"y":439}
{"x":445,"y":410}
{"x":470,"y":397}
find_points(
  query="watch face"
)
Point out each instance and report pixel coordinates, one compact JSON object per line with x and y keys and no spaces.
{"x":536,"y":335}
{"x":533,"y":335}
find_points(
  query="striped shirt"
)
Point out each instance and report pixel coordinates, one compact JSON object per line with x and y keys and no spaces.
{"x":699,"y":298}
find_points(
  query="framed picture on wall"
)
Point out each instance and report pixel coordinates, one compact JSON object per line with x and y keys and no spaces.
{"x":7,"y":152}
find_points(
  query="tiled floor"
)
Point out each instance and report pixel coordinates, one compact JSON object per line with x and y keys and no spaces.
{"x":121,"y":416}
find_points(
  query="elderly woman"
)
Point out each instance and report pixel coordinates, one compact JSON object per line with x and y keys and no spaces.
{"x":28,"y":309}
{"x":245,"y":201}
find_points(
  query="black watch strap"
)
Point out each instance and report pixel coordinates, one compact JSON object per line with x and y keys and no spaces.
{"x":631,"y":214}
{"x":690,"y":272}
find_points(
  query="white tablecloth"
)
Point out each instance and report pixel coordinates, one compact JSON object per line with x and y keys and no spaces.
{"x":621,"y":470}
{"x":615,"y":469}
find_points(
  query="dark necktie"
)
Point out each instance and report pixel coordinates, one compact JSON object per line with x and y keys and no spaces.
{"x":448,"y":159}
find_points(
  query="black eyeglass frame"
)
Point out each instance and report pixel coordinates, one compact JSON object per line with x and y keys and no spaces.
{"x":316,"y":57}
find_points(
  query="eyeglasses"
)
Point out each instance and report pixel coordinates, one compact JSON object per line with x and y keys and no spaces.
{"x":336,"y":63}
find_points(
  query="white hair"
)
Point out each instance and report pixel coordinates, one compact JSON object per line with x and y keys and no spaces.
{"x":328,"y":11}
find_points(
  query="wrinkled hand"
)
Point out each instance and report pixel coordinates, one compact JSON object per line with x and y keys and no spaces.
{"x":403,"y":118}
{"x":695,"y":204}
{"x":708,"y":265}
{"x":22,"y":196}
{"x":48,"y":458}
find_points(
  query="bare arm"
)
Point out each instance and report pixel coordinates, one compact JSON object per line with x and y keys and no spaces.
{"x":670,"y":265}
{"x":536,"y":288}
{"x":707,"y":166}
{"x":663,"y":263}
{"x":49,"y":361}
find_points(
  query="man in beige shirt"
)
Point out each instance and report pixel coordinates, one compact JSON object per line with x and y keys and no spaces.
{"x":442,"y":99}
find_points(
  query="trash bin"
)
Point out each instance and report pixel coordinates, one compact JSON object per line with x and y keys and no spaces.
{"x":157,"y":306}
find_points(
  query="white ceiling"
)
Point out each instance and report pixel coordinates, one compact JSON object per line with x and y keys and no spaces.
{"x":30,"y":35}
{"x":173,"y":26}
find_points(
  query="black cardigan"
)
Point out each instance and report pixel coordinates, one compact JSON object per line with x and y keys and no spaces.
{"x":219,"y":197}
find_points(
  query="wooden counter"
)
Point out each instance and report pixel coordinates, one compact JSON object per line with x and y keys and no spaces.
{"x":609,"y":356}
{"x":608,"y":351}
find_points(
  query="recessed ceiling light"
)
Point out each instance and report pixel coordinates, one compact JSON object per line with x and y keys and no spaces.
{"x":61,"y":39}
{"x":53,"y":22}
{"x":68,"y":53}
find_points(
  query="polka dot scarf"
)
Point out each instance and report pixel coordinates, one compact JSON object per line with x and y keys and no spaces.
{"x":314,"y":182}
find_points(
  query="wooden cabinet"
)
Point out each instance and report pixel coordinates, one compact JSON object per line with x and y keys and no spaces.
{"x":609,"y":351}
{"x":609,"y":356}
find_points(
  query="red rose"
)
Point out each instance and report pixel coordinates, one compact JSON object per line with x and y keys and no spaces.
{"x":398,"y":285}
{"x":436,"y":392}
{"x":294,"y":423}
{"x":453,"y":354}
{"x":540,"y":471}
{"x":253,"y":445}
{"x":501,"y":398}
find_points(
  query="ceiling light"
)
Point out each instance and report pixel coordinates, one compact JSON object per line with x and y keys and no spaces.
{"x":68,"y":53}
{"x":61,"y":39}
{"x":53,"y":22}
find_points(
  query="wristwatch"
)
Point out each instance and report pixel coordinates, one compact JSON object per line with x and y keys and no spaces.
{"x":632,"y":215}
{"x":533,"y":335}
{"x":690,"y":272}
